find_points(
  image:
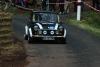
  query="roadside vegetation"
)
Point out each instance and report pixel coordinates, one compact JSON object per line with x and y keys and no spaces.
{"x":10,"y":47}
{"x":90,"y":21}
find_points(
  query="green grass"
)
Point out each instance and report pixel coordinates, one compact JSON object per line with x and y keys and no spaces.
{"x":90,"y":21}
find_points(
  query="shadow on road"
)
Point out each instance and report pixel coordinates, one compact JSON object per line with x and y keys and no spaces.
{"x":46,"y":42}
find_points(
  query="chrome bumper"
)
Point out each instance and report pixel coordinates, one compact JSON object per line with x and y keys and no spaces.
{"x":47,"y":36}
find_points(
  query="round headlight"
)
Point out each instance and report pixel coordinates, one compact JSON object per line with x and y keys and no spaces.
{"x":35,"y":28}
{"x":52,"y":32}
{"x":40,"y":32}
{"x":57,"y":32}
{"x":60,"y":28}
{"x":45,"y":32}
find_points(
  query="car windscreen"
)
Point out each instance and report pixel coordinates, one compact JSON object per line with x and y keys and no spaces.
{"x":49,"y":17}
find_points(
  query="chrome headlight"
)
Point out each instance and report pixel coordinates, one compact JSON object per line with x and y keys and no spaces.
{"x":60,"y":28}
{"x":40,"y":32}
{"x":44,"y":32}
{"x":52,"y":32}
{"x":57,"y":32}
{"x":36,"y":27}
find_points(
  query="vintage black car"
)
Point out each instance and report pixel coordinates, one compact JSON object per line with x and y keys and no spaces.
{"x":45,"y":25}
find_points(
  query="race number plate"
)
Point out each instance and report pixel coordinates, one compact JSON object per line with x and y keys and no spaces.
{"x":48,"y":38}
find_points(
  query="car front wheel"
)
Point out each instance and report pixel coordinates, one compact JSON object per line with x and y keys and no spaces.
{"x":30,"y":40}
{"x":26,"y":37}
{"x":64,"y":41}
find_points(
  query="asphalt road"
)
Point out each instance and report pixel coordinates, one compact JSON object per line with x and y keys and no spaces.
{"x":82,"y":48}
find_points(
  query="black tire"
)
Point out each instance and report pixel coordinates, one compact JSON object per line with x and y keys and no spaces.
{"x":30,"y":40}
{"x":26,"y":37}
{"x":61,"y":40}
{"x":64,"y":41}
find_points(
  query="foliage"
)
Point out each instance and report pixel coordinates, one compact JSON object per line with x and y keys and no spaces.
{"x":92,"y":18}
{"x":90,"y":21}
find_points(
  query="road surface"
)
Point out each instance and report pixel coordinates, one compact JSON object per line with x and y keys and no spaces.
{"x":82,"y":48}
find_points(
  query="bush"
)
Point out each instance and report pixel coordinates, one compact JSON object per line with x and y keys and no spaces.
{"x":92,"y":18}
{"x":90,"y":21}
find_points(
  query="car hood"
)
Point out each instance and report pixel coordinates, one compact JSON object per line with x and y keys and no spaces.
{"x":48,"y":26}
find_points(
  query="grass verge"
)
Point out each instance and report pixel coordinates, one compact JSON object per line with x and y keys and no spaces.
{"x":90,"y":22}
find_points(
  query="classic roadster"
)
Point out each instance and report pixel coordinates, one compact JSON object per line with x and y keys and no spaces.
{"x":45,"y":26}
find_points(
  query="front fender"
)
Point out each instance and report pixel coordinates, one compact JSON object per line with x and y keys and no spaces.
{"x":26,"y":30}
